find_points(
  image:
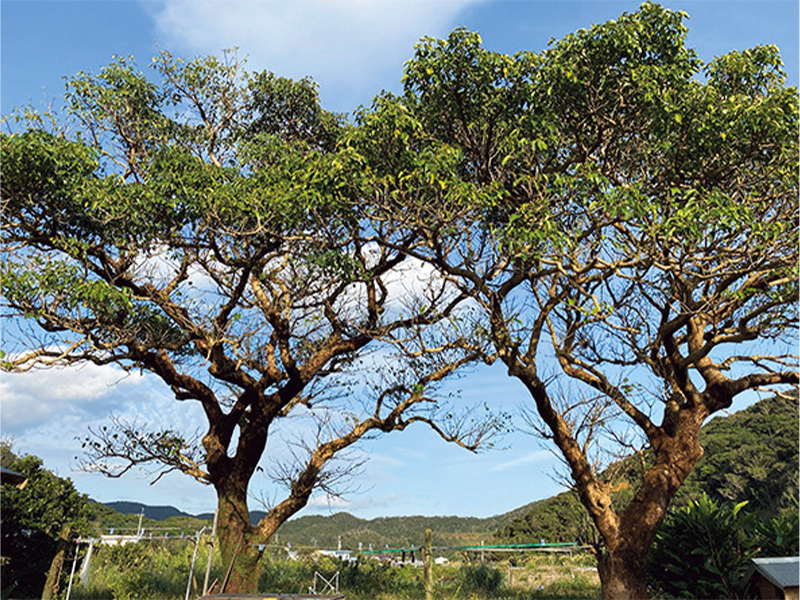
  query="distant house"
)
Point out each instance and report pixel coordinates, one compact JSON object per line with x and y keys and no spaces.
{"x":119,"y":540}
{"x":774,"y":578}
{"x":343,"y":555}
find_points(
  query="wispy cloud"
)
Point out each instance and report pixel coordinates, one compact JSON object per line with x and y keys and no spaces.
{"x":531,"y":457}
{"x":328,"y":501}
{"x":352,"y":48}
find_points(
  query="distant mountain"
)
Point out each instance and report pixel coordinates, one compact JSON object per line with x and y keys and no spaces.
{"x":750,"y":455}
{"x":323,"y":531}
{"x":157,"y":513}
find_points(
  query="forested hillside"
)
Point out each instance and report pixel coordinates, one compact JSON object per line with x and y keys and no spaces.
{"x":387,"y":531}
{"x":314,"y":530}
{"x":751,"y":455}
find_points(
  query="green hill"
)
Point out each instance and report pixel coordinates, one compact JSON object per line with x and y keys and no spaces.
{"x":324,"y":531}
{"x":750,"y":455}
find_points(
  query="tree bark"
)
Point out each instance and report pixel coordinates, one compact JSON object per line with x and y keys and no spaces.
{"x":51,"y":585}
{"x":622,"y":574}
{"x":237,"y":539}
{"x":622,"y":567}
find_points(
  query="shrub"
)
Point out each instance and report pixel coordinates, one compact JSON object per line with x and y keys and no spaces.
{"x":481,"y":579}
{"x":703,"y":550}
{"x":780,"y":535}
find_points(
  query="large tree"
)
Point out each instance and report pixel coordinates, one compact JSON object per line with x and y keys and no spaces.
{"x":624,"y":219}
{"x":200,"y":230}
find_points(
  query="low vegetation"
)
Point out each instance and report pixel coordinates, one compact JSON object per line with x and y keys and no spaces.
{"x":39,"y":517}
{"x":160,"y":571}
{"x":721,"y":538}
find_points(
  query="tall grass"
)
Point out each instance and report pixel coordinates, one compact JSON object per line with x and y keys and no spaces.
{"x":160,"y":571}
{"x":147,"y":570}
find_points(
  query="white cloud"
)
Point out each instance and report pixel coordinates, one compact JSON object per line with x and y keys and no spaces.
{"x":35,"y":397}
{"x":352,"y":48}
{"x":47,"y":413}
{"x":328,"y":501}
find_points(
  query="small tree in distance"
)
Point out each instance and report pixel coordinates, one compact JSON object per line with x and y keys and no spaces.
{"x":627,"y":234}
{"x":197,"y":231}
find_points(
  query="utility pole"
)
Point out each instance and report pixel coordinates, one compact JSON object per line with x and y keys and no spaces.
{"x":428,"y":566}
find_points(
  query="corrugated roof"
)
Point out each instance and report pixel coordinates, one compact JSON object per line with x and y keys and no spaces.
{"x":782,"y":571}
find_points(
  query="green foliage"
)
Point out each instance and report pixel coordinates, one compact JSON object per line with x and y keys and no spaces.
{"x":780,"y":536}
{"x":148,"y":569}
{"x":33,"y":520}
{"x":290,"y":110}
{"x":703,"y":550}
{"x":750,"y":456}
{"x":481,"y":579}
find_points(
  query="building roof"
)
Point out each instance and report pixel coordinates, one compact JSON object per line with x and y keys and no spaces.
{"x":783,"y":572}
{"x":12,"y":477}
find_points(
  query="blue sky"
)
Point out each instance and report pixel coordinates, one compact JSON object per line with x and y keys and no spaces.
{"x":353,"y":49}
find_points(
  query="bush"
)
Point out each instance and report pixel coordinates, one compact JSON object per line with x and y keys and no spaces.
{"x":481,"y":579}
{"x":780,"y":536}
{"x":34,"y":517}
{"x":704,"y":549}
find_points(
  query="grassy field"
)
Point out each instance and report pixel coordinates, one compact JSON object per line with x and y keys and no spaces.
{"x":161,"y":572}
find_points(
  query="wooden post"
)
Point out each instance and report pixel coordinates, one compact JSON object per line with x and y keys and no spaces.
{"x":428,"y":566}
{"x":210,"y":552}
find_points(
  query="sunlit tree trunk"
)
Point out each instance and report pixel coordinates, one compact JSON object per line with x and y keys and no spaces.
{"x":622,"y":564}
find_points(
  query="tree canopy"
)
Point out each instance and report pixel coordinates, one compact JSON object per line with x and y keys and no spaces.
{"x":624,"y":220}
{"x":612,"y":220}
{"x":201,"y":230}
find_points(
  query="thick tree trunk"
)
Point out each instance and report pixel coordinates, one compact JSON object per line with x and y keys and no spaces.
{"x":622,"y":568}
{"x":622,"y":573}
{"x":238,"y":545}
